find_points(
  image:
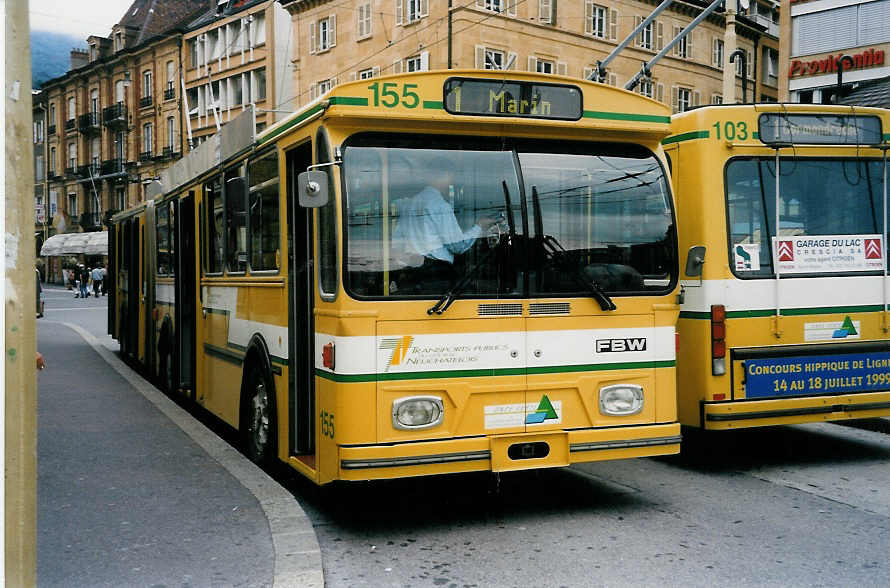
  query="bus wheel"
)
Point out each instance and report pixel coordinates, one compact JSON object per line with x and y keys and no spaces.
{"x":258,"y":428}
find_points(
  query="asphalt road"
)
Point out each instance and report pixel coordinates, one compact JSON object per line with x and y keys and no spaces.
{"x":786,"y":506}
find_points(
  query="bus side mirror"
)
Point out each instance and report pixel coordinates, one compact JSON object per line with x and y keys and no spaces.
{"x":695,"y":259}
{"x":312,"y":187}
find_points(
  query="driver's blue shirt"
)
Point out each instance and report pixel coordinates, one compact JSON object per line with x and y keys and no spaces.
{"x":427,"y":227}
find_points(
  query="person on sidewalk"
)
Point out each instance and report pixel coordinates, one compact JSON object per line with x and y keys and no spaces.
{"x":84,"y":281}
{"x":106,"y":280}
{"x":96,"y":277}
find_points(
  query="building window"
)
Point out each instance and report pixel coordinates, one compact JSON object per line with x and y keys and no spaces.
{"x":413,"y":64}
{"x":147,"y":139}
{"x":52,"y":161}
{"x":543,"y":66}
{"x":171,"y":132}
{"x":52,"y":114}
{"x":146,"y":84}
{"x":595,"y":19}
{"x":492,"y":59}
{"x":72,"y":204}
{"x":684,"y":99}
{"x":121,"y":198}
{"x":644,"y":38}
{"x":363,"y":21}
{"x":72,"y":112}
{"x":411,"y":10}
{"x":323,"y":34}
{"x":547,"y":11}
{"x":118,"y":41}
{"x":193,"y":52}
{"x":683,"y":48}
{"x":716,"y":99}
{"x":325,"y":86}
{"x":645,"y":87}
{"x":493,"y":5}
{"x":38,"y":168}
{"x":259,"y":80}
{"x":38,"y":131}
{"x":748,"y":65}
{"x":72,"y":155}
{"x":366,"y":74}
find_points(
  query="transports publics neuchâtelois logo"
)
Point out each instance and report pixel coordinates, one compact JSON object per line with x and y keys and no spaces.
{"x":544,"y":412}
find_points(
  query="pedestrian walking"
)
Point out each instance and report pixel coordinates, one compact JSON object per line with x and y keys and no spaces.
{"x":106,"y":280}
{"x":84,"y":281}
{"x":96,"y":277}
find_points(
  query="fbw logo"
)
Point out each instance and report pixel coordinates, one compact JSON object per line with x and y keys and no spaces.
{"x":872,"y":249}
{"x":785,"y":250}
{"x":619,"y":345}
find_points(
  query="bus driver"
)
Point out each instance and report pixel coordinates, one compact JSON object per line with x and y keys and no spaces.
{"x":428,"y":232}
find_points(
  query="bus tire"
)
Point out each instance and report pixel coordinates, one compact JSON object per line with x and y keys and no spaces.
{"x":258,"y":415}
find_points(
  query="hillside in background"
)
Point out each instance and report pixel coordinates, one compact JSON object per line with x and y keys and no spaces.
{"x":51,"y":55}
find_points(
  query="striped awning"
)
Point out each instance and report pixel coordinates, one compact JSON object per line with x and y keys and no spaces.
{"x":95,"y":243}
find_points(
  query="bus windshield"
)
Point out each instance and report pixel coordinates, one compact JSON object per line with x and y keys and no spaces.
{"x":817,"y":198}
{"x":504,"y":219}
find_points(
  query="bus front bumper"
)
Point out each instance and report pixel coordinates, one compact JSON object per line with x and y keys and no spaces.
{"x":501,"y":453}
{"x":739,"y":414}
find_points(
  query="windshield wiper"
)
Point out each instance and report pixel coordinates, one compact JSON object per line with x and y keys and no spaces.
{"x":558,"y":257}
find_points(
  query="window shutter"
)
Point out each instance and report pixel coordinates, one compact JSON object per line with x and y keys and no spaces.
{"x":696,"y":97}
{"x":750,"y":64}
{"x":612,"y":79}
{"x":424,"y":8}
{"x":424,"y":61}
{"x":676,"y":50}
{"x":637,"y":21}
{"x":511,"y":7}
{"x":562,"y":68}
{"x":588,"y":71}
{"x":659,"y":40}
{"x":544,"y":15}
{"x":588,"y":17}
{"x":512,"y":58}
{"x":359,"y":13}
{"x":375,"y":71}
{"x":333,"y":24}
{"x":352,"y":76}
{"x":689,"y":46}
{"x":400,"y":17}
{"x":397,"y":66}
{"x":480,"y":57}
{"x":715,"y":57}
{"x":675,"y":97}
{"x":532,"y":63}
{"x":312,"y":42}
{"x":313,"y":91}
{"x":613,"y":24}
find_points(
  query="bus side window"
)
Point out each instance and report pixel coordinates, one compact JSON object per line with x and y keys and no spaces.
{"x":263,"y":213}
{"x":327,"y":224}
{"x":236,"y":222}
{"x":213,"y":262}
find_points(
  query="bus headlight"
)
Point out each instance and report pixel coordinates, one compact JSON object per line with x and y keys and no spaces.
{"x":621,"y":399}
{"x":417,"y":412}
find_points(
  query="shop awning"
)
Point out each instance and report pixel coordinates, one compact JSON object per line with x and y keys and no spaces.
{"x":95,"y":243}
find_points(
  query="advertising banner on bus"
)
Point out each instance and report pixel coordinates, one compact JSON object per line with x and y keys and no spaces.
{"x":817,"y":374}
{"x":809,"y":254}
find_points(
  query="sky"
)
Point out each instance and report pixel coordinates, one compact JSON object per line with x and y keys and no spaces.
{"x":80,"y":18}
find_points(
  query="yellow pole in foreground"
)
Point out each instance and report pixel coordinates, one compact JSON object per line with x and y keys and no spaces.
{"x":20,"y":406}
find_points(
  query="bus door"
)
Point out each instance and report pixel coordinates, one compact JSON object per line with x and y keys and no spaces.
{"x":301,"y":327}
{"x":133,"y":287}
{"x":184,"y":355}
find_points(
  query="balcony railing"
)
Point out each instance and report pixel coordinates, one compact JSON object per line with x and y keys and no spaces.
{"x":91,"y":221}
{"x":89,"y":170}
{"x":146,"y":156}
{"x":112,"y":166}
{"x":169,"y":94}
{"x":51,"y":130}
{"x":88,"y":123}
{"x":71,"y":171}
{"x":70,"y":124}
{"x":168,"y":153}
{"x":116,"y":115}
{"x":144,"y":101}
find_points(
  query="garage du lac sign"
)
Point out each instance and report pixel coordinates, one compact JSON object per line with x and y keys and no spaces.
{"x":808,"y":254}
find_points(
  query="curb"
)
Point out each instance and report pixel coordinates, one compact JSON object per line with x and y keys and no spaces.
{"x":297,"y":554}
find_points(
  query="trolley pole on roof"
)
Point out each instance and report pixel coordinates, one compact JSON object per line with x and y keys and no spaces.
{"x":599,"y":72}
{"x":648,"y":65}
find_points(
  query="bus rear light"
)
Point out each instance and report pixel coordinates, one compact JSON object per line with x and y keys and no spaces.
{"x":720,"y":396}
{"x":327,"y":356}
{"x":718,"y":339}
{"x":417,"y":412}
{"x":677,"y":342}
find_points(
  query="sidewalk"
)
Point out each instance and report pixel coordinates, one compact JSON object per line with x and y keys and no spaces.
{"x":132,"y":491}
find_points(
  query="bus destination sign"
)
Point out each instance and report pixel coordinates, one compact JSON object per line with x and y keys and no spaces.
{"x":512,"y":98}
{"x":819,"y":129}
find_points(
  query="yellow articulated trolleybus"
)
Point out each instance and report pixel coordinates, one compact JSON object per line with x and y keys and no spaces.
{"x":789,"y":325}
{"x":430,"y":273}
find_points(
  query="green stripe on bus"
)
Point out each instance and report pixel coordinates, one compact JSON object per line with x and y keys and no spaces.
{"x":686,"y":137}
{"x":755,"y":135}
{"x":887,"y":136}
{"x":493,"y":372}
{"x":348,"y":101}
{"x":627,"y":116}
{"x":433,"y":104}
{"x":291,"y":124}
{"x":733,"y":314}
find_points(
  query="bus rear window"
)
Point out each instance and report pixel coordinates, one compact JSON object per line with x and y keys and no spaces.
{"x":817,"y":198}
